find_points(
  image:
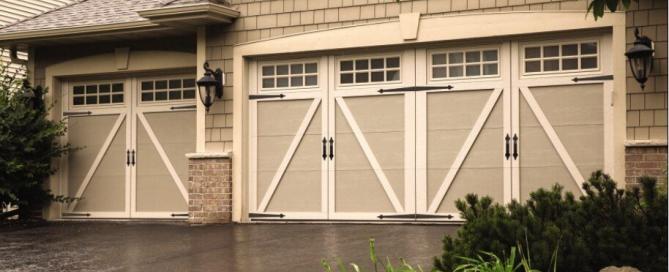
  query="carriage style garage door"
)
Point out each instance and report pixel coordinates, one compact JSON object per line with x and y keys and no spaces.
{"x":401,"y":135}
{"x":130,"y":138}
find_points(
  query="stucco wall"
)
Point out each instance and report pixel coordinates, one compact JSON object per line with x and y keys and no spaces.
{"x":265,"y":19}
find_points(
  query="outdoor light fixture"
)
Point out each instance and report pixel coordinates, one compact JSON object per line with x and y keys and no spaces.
{"x":209,"y":85}
{"x":640,"y":57}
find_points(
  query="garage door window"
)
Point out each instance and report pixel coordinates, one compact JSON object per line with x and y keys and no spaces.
{"x":97,"y":94}
{"x":294,"y":75}
{"x":560,"y":57}
{"x":369,"y":70}
{"x":167,"y":89}
{"x":465,"y":64}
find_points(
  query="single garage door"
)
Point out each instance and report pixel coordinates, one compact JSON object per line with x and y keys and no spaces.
{"x":401,"y":135}
{"x":130,"y":137}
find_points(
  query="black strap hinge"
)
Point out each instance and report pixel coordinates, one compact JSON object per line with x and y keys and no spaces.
{"x":266,"y":215}
{"x":414,"y":216}
{"x":605,"y":77}
{"x":183,"y":107}
{"x":415,"y":89}
{"x":75,"y":214}
{"x":73,"y":113}
{"x":265,"y":96}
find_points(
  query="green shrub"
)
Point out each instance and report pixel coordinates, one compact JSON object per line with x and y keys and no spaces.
{"x":28,"y":144}
{"x":387,"y":267}
{"x":607,"y":226}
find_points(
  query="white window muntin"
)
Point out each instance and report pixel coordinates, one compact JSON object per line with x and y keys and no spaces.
{"x":166,"y":89}
{"x":309,"y":76}
{"x":560,"y":57}
{"x":97,"y":94}
{"x":393,"y":70}
{"x":482,"y":63}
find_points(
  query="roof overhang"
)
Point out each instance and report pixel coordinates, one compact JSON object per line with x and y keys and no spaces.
{"x":194,"y":15}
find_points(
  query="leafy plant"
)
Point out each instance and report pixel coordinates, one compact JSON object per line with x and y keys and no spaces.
{"x":597,"y":7}
{"x":387,"y":266}
{"x":607,"y":226}
{"x":28,"y":145}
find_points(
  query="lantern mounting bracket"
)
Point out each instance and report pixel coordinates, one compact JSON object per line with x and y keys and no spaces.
{"x":218,"y":75}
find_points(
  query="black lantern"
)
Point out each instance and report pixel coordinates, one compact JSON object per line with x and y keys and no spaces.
{"x":640,"y":57}
{"x":209,"y":85}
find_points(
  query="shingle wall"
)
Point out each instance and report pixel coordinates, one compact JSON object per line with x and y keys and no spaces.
{"x":265,"y":18}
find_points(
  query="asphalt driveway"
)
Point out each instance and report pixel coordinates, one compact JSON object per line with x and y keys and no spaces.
{"x":122,"y":246}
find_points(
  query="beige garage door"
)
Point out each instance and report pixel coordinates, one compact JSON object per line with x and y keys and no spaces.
{"x":401,"y":135}
{"x":128,"y":161}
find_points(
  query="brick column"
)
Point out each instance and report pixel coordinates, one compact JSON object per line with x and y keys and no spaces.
{"x":645,"y":160}
{"x":209,"y":188}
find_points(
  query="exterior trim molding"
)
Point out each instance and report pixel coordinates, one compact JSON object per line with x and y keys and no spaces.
{"x":191,"y":14}
{"x":646,"y":143}
{"x":209,"y":155}
{"x":74,"y":31}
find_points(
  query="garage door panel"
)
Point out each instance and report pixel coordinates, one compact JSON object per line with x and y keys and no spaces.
{"x":360,"y":191}
{"x":479,"y":181}
{"x":176,"y":145}
{"x":281,"y":118}
{"x":454,"y":110}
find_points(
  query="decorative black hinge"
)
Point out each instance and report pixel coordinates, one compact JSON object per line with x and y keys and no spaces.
{"x":266,"y":215}
{"x":415,"y":89}
{"x":73,"y":113}
{"x":75,"y":214}
{"x":606,"y":77}
{"x":183,"y":107}
{"x":265,"y":96}
{"x":179,"y":214}
{"x":414,"y":216}
{"x":515,"y":146}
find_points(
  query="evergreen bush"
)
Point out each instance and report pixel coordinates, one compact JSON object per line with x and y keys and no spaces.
{"x":607,"y":226}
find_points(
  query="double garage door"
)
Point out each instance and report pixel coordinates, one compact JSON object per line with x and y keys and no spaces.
{"x":129,"y":138}
{"x":401,"y":135}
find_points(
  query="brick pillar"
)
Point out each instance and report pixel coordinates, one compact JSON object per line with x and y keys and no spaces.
{"x":645,"y":161}
{"x":209,"y":188}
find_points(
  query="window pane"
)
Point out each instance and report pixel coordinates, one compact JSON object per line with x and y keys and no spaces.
{"x":161,"y":96}
{"x":532,"y":66}
{"x":438,"y":59}
{"x":588,"y":48}
{"x":311,"y":68}
{"x":147,"y":96}
{"x":175,"y":84}
{"x":393,"y":75}
{"x":589,"y":63}
{"x":551,"y":65}
{"x":392,"y":62}
{"x":91,"y":89}
{"x":551,"y":51}
{"x":268,"y":83}
{"x":361,"y":77}
{"x":296,"y":81}
{"x":570,"y":50}
{"x":189,"y":94}
{"x":296,"y":69}
{"x":439,"y":72}
{"x":311,"y":81}
{"x":378,"y":76}
{"x":105,"y":88}
{"x":161,"y":84}
{"x":78,"y":100}
{"x":473,"y":56}
{"x":361,"y":64}
{"x":346,"y":78}
{"x":147,"y":85}
{"x":189,"y":83}
{"x":282,"y":82}
{"x":91,"y":100}
{"x":532,"y":52}
{"x":346,"y":65}
{"x":490,"y":69}
{"x":490,"y":55}
{"x":268,"y":70}
{"x":455,"y":57}
{"x":78,"y":90}
{"x":473,"y":70}
{"x":117,"y":98}
{"x":454,"y":71}
{"x":282,"y":69}
{"x":377,"y":64}
{"x":105,"y":99}
{"x":117,"y":87}
{"x":175,"y":95}
{"x":570,"y":64}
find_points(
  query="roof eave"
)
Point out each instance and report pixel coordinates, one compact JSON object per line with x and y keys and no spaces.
{"x":194,"y":14}
{"x":58,"y":33}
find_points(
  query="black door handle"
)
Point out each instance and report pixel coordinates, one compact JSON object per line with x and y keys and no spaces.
{"x":331,"y":148}
{"x":127,"y":157}
{"x":515,"y":146}
{"x":325,"y":151}
{"x":133,"y":158}
{"x":507,"y":153}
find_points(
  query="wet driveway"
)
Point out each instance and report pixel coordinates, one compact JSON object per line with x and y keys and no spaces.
{"x":122,"y":246}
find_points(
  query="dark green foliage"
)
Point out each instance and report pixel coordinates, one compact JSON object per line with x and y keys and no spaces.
{"x":607,"y":226}
{"x":28,"y":144}
{"x":598,"y":7}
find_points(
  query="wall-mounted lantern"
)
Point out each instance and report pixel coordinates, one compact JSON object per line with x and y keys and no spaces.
{"x":210,"y":85}
{"x":640,"y":57}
